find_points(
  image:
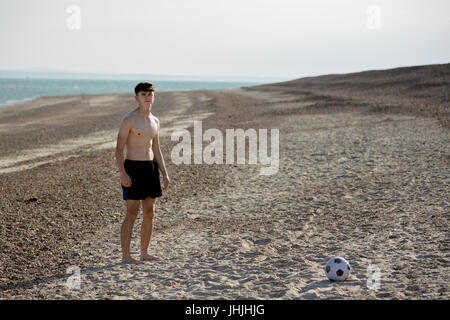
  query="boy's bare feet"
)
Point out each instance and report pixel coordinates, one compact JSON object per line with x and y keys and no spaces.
{"x":146,"y":257}
{"x":130,"y":260}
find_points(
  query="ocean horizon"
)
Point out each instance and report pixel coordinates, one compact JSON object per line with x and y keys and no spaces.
{"x":16,"y":90}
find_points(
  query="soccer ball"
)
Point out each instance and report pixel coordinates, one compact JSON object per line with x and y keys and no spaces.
{"x":337,"y":269}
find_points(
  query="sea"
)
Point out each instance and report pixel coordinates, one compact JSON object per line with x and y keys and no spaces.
{"x":16,"y":90}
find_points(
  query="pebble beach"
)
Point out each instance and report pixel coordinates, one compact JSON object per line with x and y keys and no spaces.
{"x":363,"y":173}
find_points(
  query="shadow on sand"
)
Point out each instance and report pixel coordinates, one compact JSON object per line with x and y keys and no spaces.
{"x":59,"y":277}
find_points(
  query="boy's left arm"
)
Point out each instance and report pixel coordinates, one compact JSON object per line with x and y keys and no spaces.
{"x":159,"y":158}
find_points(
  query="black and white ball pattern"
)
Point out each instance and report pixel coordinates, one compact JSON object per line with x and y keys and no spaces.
{"x":337,"y":269}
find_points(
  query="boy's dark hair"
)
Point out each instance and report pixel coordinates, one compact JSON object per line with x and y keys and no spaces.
{"x":144,"y":86}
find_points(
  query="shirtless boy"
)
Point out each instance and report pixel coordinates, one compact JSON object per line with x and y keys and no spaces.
{"x":139,"y":172}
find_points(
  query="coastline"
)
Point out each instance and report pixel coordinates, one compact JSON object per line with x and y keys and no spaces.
{"x":10,"y":103}
{"x":16,"y":91}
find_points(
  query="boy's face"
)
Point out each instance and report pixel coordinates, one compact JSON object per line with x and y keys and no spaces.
{"x":145,"y":98}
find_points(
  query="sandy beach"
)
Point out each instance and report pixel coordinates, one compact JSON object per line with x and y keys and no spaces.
{"x":363,"y":174}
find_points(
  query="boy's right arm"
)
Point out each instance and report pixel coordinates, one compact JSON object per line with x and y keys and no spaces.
{"x":121,"y":142}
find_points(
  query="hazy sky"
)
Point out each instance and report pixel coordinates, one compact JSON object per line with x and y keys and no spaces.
{"x":276,"y":38}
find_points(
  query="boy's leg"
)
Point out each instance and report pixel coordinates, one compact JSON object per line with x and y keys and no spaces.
{"x":127,"y":229}
{"x":148,"y":211}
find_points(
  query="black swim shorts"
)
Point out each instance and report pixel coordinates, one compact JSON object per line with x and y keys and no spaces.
{"x":145,"y":182}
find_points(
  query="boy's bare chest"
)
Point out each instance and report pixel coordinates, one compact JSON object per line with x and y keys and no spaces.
{"x":145,"y":128}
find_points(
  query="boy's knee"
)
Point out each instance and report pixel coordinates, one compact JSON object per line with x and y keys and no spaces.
{"x":149,"y":212}
{"x":132,"y":212}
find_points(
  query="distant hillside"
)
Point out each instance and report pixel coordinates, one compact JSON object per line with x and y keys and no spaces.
{"x":422,"y":90}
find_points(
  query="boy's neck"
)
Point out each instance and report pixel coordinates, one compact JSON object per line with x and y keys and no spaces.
{"x":145,"y":111}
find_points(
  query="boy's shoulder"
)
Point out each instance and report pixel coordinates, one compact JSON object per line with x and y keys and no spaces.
{"x":131,"y":116}
{"x":132,"y":113}
{"x":154,"y":117}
